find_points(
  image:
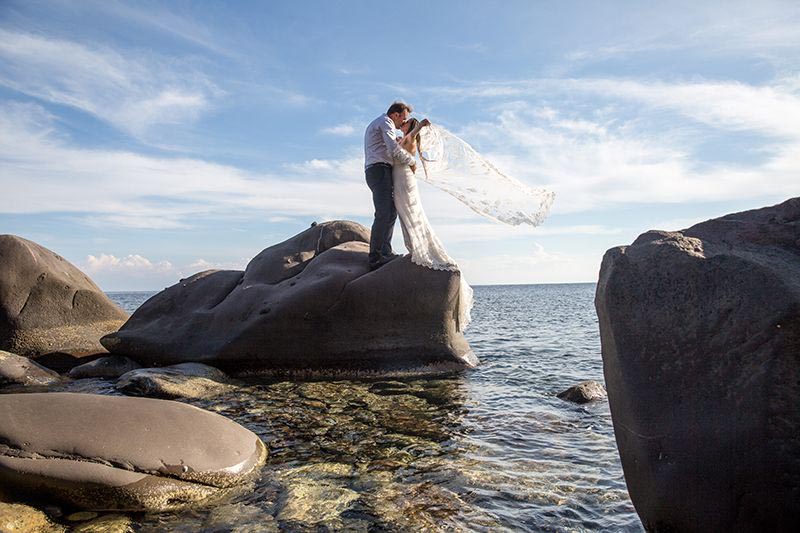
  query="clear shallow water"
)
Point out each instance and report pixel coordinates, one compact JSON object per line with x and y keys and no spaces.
{"x":489,"y":449}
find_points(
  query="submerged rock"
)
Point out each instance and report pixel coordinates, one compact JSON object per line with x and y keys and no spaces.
{"x":18,"y":370}
{"x":112,"y":366}
{"x":186,"y":380}
{"x":700,"y":333}
{"x":110,"y":523}
{"x":48,"y":305}
{"x":19,"y":518}
{"x":584,"y":392}
{"x":309,"y":304}
{"x":136,"y":454}
{"x":317,"y":493}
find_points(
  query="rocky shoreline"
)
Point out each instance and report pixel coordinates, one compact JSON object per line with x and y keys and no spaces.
{"x":699,"y":333}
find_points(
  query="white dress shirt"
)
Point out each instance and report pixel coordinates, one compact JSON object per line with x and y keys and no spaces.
{"x":380,"y":144}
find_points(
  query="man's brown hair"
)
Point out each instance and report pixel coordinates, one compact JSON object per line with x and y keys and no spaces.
{"x":399,"y":107}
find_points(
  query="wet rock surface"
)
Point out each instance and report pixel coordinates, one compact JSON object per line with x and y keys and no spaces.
{"x":186,"y":380}
{"x":18,"y":370}
{"x":112,"y":366}
{"x":307,"y":305}
{"x":584,"y":392}
{"x":700,"y":338}
{"x":48,"y":305}
{"x":104,"y":452}
{"x":20,"y":518}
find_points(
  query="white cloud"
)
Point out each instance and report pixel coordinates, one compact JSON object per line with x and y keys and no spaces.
{"x":133,"y":263}
{"x":45,"y":173}
{"x":133,"y":91}
{"x":644,"y":148}
{"x":770,"y":109}
{"x":342,"y":130}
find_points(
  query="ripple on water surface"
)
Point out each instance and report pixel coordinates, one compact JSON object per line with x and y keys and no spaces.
{"x":486,"y":450}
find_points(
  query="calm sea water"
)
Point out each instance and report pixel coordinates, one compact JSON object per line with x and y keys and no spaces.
{"x":491,"y":449}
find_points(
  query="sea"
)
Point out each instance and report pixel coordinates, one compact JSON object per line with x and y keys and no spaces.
{"x":492,"y":449}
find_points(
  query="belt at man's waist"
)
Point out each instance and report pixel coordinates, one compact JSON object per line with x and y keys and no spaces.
{"x":381,"y":164}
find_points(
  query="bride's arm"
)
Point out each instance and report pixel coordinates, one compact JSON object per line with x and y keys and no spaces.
{"x":424,"y":122}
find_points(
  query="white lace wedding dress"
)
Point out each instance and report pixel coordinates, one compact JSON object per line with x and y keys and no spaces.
{"x":422,"y":243}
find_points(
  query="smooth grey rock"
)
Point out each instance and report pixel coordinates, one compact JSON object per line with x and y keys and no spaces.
{"x":700,"y":334}
{"x":112,"y":366}
{"x":307,"y":305}
{"x":185,"y":380}
{"x":48,"y":305}
{"x":105,"y":452}
{"x":584,"y":392}
{"x":15,"y":369}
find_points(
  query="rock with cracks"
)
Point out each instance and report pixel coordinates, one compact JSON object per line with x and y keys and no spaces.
{"x":700,"y":333}
{"x":134,"y":454}
{"x":48,"y":305}
{"x":307,"y":305}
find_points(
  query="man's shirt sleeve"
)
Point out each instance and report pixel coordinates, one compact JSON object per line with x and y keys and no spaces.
{"x":397,"y":152}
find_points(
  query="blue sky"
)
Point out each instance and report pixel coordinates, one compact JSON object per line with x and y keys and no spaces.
{"x":147,"y":141}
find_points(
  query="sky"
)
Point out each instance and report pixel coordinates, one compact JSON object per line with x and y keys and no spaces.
{"x":146,"y":141}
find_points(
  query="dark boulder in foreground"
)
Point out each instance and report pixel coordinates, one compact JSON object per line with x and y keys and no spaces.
{"x":48,"y":305}
{"x":700,"y":335}
{"x":307,"y":305}
{"x":105,"y":452}
{"x":584,"y":392}
{"x":18,"y":370}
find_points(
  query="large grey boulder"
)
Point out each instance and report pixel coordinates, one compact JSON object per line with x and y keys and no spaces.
{"x":48,"y":305}
{"x":106,"y":452}
{"x":307,"y":305}
{"x":18,"y":370}
{"x":700,"y":334}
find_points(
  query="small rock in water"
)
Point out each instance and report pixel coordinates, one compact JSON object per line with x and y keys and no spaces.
{"x":587,"y":391}
{"x":18,"y":370}
{"x":186,"y":380}
{"x":19,"y":518}
{"x":81,"y":516}
{"x":112,"y":366}
{"x":317,"y":493}
{"x":110,"y":523}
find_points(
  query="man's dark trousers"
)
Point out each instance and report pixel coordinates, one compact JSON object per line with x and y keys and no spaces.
{"x":379,"y":180}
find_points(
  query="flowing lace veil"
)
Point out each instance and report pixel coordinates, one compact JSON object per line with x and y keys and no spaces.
{"x":453,"y":166}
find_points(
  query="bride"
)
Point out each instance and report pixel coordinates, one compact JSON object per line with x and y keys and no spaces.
{"x":422,"y":243}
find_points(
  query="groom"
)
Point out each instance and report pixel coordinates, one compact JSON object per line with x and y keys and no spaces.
{"x":381,"y":150}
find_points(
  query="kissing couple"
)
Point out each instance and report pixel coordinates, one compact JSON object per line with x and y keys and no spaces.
{"x":390,"y":166}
